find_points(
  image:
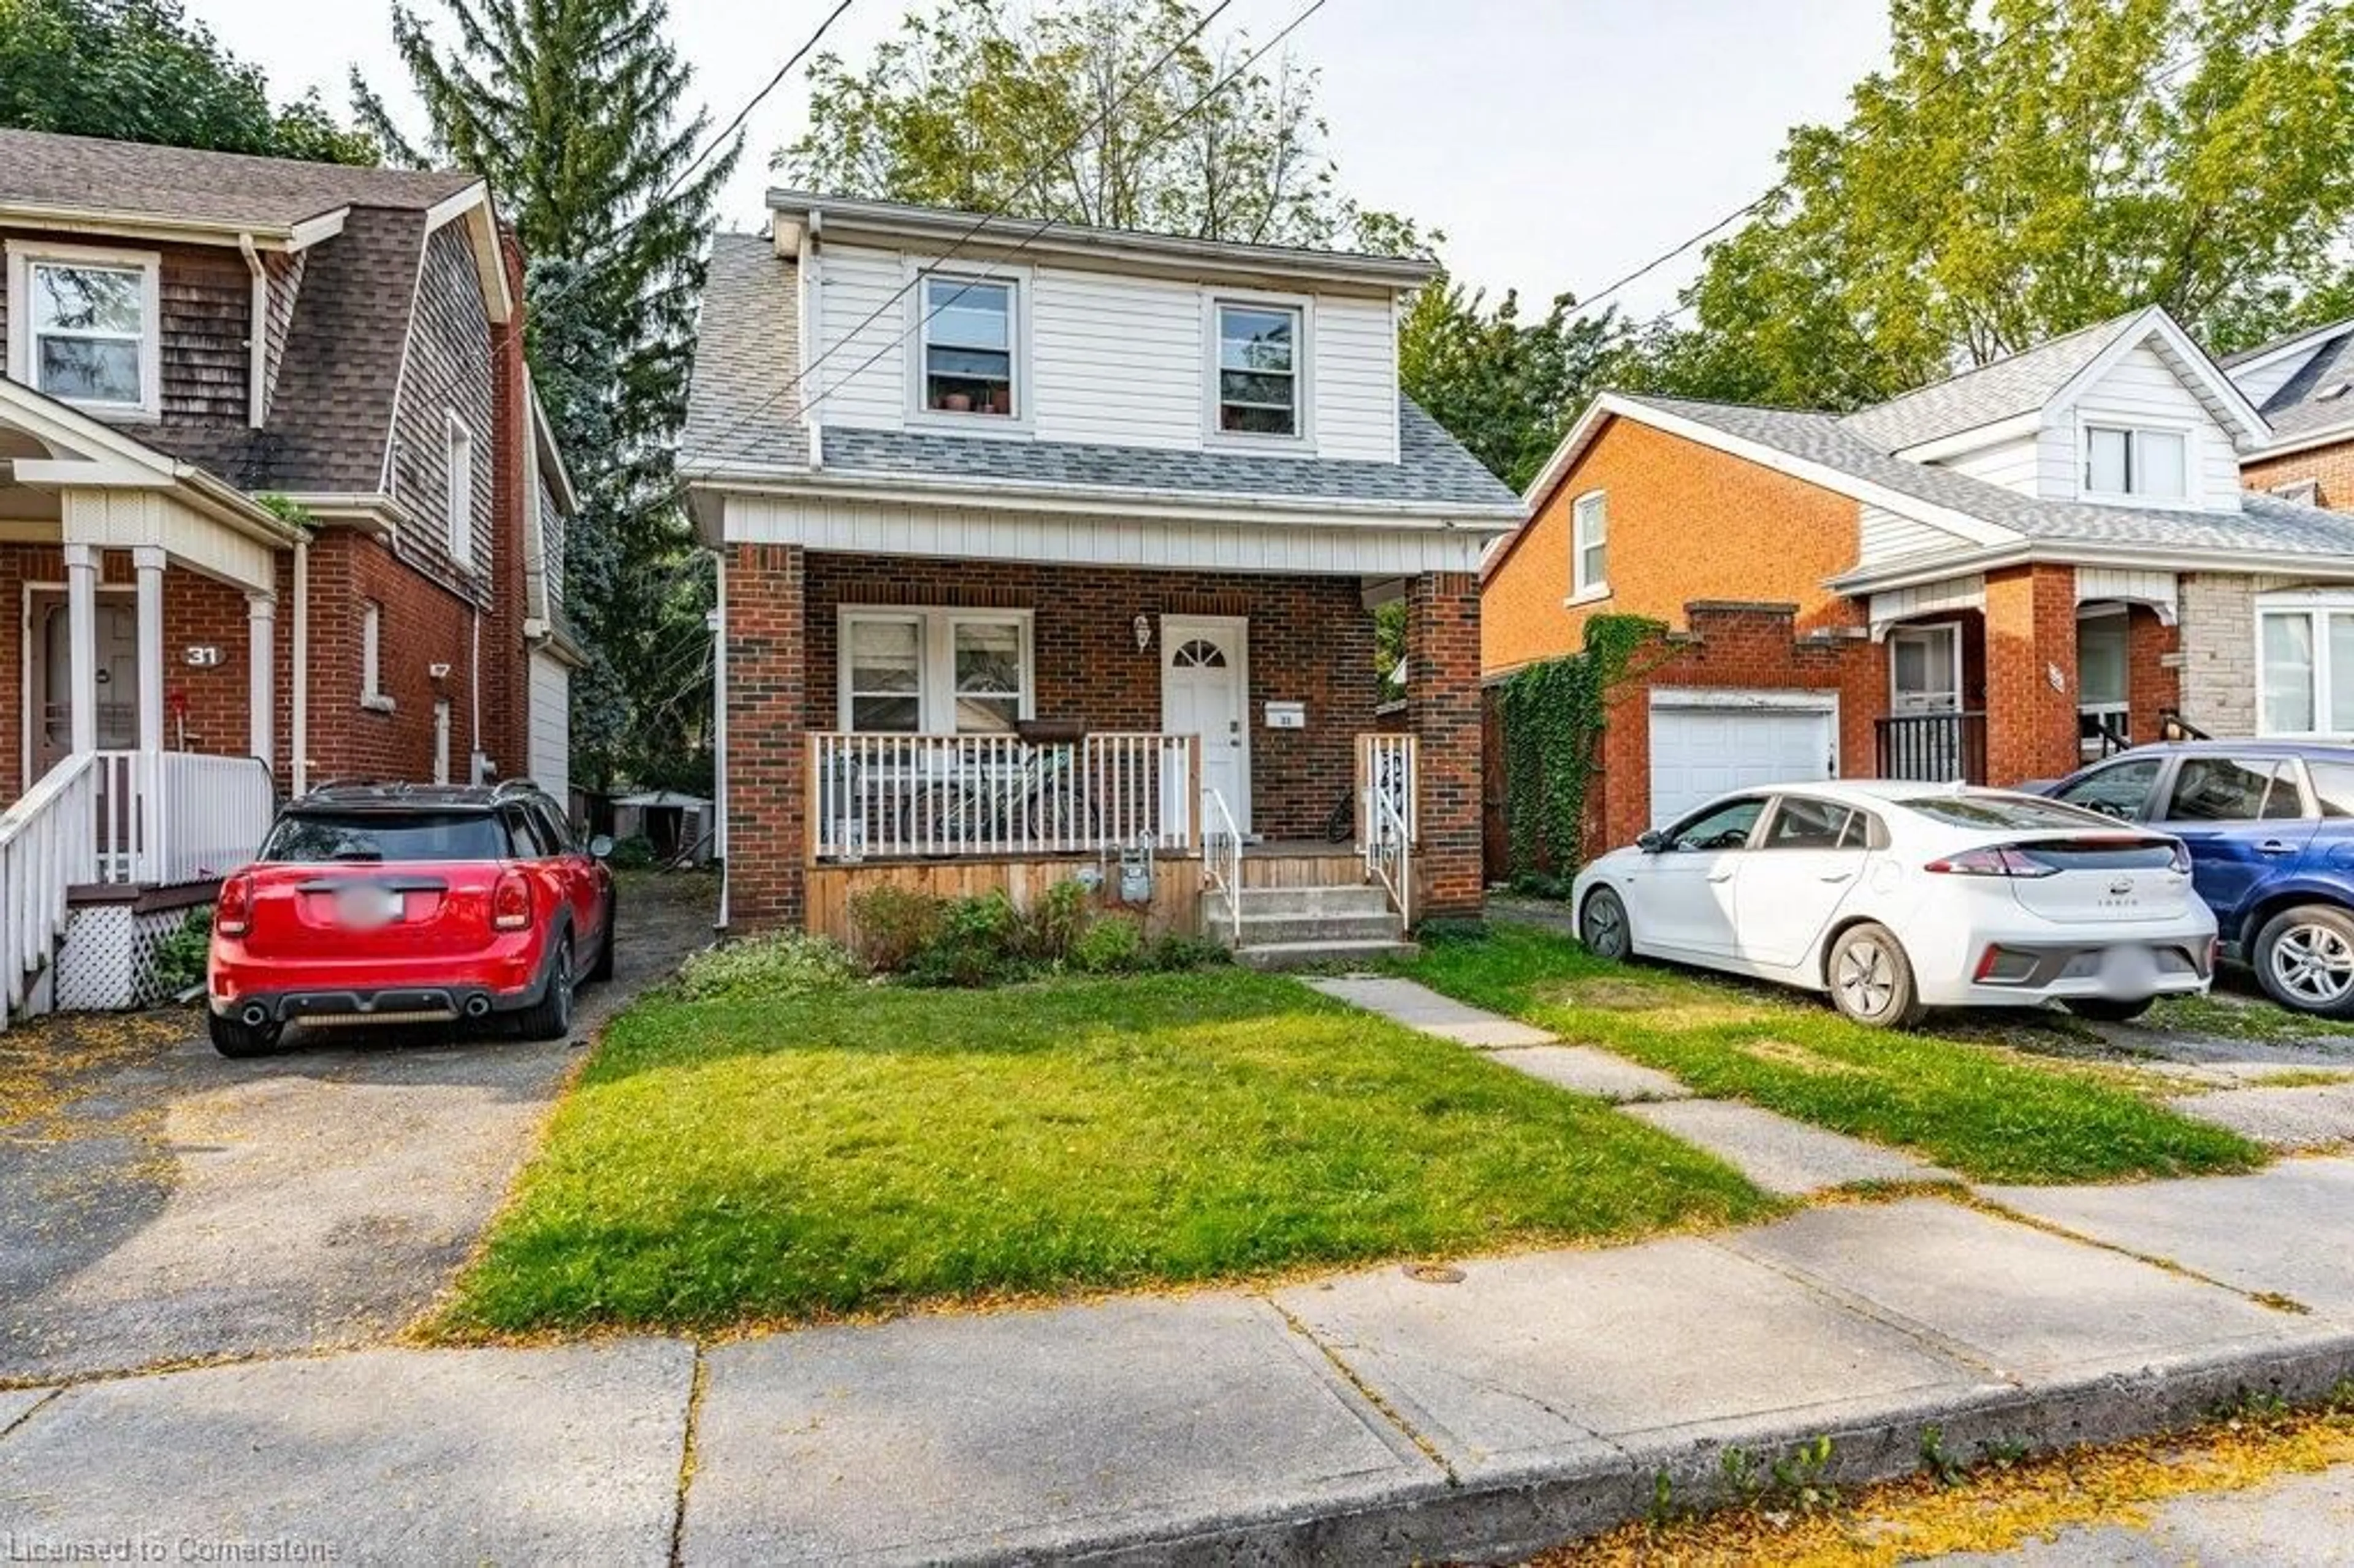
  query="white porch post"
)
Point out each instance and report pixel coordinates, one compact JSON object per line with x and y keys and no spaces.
{"x":81,"y":625}
{"x":261,"y":658}
{"x":147,"y":563}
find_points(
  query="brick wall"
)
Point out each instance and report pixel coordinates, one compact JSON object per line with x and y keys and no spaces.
{"x":2152,"y":685}
{"x":1442,"y":648}
{"x":1686,"y":523}
{"x":2330,"y":467}
{"x":768,"y":715}
{"x":423,"y":624}
{"x":1729,"y":644}
{"x":507,"y":657}
{"x":1310,"y":639}
{"x":2030,"y":628}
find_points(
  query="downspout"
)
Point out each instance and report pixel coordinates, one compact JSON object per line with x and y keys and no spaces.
{"x":256,"y":392}
{"x":476,"y":764}
{"x":300,"y":666}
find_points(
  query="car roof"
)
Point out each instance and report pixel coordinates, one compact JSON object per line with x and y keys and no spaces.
{"x":1864,"y":791}
{"x":2321,"y":749}
{"x":385,"y":795}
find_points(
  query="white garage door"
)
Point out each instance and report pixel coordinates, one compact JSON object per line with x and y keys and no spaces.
{"x":1704,"y":744}
{"x":551,"y":727}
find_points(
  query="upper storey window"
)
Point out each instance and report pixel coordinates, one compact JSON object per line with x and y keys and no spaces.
{"x":2148,"y":465}
{"x":1258,"y":369}
{"x":86,"y":335}
{"x":969,"y":347}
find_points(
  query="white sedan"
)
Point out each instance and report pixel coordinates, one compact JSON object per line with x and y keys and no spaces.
{"x":1897,"y":898}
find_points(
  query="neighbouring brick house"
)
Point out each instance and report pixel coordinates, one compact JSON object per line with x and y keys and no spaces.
{"x":1993,"y":578}
{"x":195,"y":340}
{"x":1042,"y":548}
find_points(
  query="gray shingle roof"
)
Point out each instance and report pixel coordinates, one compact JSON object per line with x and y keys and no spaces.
{"x":742,"y":407}
{"x":2019,"y":384}
{"x":2265,"y":524}
{"x":2318,"y":397}
{"x":38,"y":169}
{"x":743,"y":412}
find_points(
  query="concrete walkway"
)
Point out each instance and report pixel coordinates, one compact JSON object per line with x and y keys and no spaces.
{"x":1776,"y":1152}
{"x":1378,"y":1416}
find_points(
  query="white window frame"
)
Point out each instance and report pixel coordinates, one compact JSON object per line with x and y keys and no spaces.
{"x":2316,"y":608}
{"x":2134,"y":430}
{"x":1302,"y":437}
{"x":372,"y":695}
{"x":23,"y":257}
{"x":936,"y":695}
{"x":1582,"y":589}
{"x":458,"y":505}
{"x":1016,"y":281}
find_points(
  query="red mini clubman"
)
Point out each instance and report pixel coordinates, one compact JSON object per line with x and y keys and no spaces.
{"x":374,"y":903}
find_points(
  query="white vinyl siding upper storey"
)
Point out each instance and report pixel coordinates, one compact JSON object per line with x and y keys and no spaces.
{"x":1109,"y":359}
{"x":1888,"y":536}
{"x":2013,"y":464}
{"x":2142,"y":392}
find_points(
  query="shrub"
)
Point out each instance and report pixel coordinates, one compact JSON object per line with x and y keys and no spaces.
{"x":1059,"y":921}
{"x":782,"y":964}
{"x":889,"y":926}
{"x":632,"y":853}
{"x":980,"y":942}
{"x":1178,"y":952}
{"x":181,"y":957}
{"x":1112,"y":945}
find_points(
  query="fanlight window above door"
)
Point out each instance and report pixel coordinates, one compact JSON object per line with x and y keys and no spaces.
{"x":1201,"y":654}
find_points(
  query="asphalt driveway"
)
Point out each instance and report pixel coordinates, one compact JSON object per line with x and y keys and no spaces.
{"x":162,"y":1204}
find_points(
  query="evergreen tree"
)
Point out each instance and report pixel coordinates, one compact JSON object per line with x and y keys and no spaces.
{"x":571,"y":108}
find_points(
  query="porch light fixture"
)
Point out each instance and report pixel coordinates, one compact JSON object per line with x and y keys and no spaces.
{"x":1142,"y":626}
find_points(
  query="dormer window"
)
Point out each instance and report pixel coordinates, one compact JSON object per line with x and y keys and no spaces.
{"x":2148,"y":465}
{"x":86,"y":333}
{"x":1258,"y":369}
{"x":969,"y":347}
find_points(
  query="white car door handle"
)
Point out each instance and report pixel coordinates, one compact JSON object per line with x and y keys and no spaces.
{"x":1719,"y":877}
{"x":1839,"y":876}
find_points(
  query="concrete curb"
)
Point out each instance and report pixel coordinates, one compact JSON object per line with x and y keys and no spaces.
{"x":1492,"y":1522}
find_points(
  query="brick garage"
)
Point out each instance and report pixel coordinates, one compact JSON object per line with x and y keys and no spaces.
{"x":1310,"y":641}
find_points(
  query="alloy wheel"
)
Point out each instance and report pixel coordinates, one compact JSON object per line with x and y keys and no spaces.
{"x":2314,"y":963}
{"x":1864,"y":978}
{"x":1605,"y":934}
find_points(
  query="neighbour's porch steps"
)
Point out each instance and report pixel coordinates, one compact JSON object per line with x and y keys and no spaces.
{"x":1305,"y":927}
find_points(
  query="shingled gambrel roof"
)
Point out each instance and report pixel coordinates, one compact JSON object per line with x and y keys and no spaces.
{"x":743,"y":417}
{"x":134,"y":179}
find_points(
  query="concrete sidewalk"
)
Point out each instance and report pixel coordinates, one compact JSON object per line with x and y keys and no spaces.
{"x":1372,"y":1417}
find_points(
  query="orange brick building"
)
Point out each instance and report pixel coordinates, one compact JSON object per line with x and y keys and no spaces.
{"x":1997,"y":578}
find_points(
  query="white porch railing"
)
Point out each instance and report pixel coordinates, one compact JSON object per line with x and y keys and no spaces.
{"x":163,"y":818}
{"x":933,"y":796}
{"x":1388,"y":789}
{"x":45,"y":849}
{"x":1221,"y":860}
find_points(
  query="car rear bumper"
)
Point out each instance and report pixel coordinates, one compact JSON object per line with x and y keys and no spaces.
{"x":506,"y":980}
{"x":393,"y":1004}
{"x":2012,"y":971}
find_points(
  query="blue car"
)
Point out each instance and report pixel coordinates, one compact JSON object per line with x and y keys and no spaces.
{"x":2270,"y":825}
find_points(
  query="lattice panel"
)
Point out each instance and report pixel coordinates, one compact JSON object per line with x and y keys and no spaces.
{"x":108,"y":964}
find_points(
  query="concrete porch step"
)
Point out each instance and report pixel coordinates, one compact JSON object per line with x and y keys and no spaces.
{"x":1309,"y":955}
{"x":1261,"y":929}
{"x":1336,"y":898}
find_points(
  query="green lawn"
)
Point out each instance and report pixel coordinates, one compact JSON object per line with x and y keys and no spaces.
{"x":1975,"y":1107}
{"x":724,"y":1162}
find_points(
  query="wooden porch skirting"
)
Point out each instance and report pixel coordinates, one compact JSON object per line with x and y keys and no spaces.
{"x":1175,"y":904}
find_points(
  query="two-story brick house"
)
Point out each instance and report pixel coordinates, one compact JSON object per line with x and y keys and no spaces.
{"x":276,"y":501}
{"x":1992,"y":577}
{"x":1046,"y":548}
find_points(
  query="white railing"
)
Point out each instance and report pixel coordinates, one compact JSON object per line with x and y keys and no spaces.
{"x":1386,"y":763}
{"x":1389,"y":855}
{"x":1222,"y":858}
{"x":166,"y":818}
{"x":933,"y":796}
{"x":46,"y":850}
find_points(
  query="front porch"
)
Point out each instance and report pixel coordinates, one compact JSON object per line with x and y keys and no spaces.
{"x":2011,"y":677}
{"x":1181,"y":740}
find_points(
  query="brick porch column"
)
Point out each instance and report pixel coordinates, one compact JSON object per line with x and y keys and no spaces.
{"x":767,"y":698}
{"x":1442,"y":685}
{"x":2030,"y":652}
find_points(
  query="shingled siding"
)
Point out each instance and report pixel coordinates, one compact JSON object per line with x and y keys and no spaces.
{"x":208,"y":303}
{"x":448,"y":369}
{"x":285,"y":287}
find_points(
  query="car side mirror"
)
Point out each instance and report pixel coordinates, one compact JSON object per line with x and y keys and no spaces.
{"x":1651,"y":842}
{"x":601,"y":846}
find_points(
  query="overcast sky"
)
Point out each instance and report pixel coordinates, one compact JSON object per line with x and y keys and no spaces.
{"x":1557,"y":142}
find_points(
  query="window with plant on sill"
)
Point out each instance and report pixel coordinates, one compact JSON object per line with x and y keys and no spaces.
{"x":967,"y":346}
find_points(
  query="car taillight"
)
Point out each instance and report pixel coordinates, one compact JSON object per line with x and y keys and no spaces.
{"x":1998,"y":860}
{"x":511,"y":902}
{"x":234,"y":915}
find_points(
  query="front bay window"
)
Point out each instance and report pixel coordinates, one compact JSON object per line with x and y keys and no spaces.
{"x":2304,"y":652}
{"x":935,"y":672}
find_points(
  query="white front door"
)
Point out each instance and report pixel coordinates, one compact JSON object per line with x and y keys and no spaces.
{"x":50,"y":675}
{"x":1205,"y":691}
